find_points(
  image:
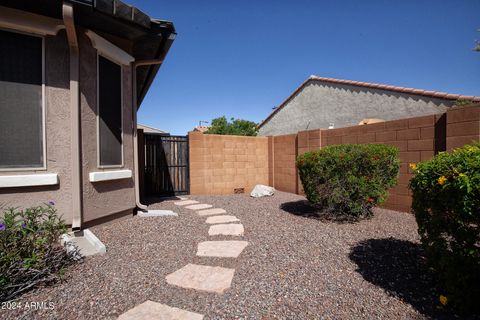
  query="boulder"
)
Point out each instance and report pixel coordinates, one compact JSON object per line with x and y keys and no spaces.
{"x":262,"y":191}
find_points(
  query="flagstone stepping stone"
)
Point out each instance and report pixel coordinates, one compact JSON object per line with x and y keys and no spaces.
{"x":150,"y":310}
{"x":202,"y":278}
{"x":199,"y":206}
{"x":156,"y":213}
{"x":223,"y":249}
{"x":231,"y":229}
{"x":209,"y":212}
{"x":221,"y":219}
{"x":185,"y":202}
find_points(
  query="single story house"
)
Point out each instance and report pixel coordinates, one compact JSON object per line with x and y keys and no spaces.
{"x":72,"y":75}
{"x":321,"y":103}
{"x":148,"y":129}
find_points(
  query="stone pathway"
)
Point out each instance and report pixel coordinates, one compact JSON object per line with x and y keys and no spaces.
{"x":199,"y":206}
{"x":222,"y":249}
{"x":203,"y":278}
{"x":221,"y":219}
{"x":211,"y":212}
{"x":226,"y":230}
{"x":210,"y":279}
{"x":154,"y":310}
{"x":185,"y":202}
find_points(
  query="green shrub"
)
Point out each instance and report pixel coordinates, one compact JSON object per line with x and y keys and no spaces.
{"x":30,"y":252}
{"x":446,"y":203}
{"x":348,"y":180}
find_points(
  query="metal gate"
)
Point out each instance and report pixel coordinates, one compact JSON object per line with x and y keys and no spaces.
{"x":166,"y":165}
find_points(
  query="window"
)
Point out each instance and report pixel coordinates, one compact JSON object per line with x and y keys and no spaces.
{"x":109,"y":113}
{"x":21,"y":101}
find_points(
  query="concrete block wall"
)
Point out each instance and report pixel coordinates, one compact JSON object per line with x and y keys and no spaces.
{"x":220,"y":164}
{"x":285,"y":176}
{"x":463,"y":126}
{"x":414,"y":137}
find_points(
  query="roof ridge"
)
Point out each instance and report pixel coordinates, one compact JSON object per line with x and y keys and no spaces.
{"x":435,"y":94}
{"x":379,"y":86}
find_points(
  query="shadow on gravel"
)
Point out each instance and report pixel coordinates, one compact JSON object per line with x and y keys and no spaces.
{"x":399,"y":268}
{"x":302,"y":208}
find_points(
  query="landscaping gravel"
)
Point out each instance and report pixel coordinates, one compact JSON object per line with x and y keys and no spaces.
{"x":296,"y":266}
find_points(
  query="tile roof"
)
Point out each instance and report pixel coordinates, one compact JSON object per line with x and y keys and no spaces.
{"x":422,"y":92}
{"x":202,"y":129}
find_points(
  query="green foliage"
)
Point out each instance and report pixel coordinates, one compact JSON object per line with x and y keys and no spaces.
{"x":237,"y":127}
{"x":463,"y":102}
{"x":30,"y":252}
{"x":446,"y":203}
{"x":348,"y":180}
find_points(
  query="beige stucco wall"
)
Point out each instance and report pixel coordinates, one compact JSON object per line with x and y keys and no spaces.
{"x":57,"y":126}
{"x":101,"y":199}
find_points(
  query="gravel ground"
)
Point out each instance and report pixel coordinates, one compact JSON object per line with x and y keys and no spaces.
{"x":296,"y":267}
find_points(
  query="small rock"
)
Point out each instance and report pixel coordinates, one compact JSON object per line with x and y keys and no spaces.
{"x":261,"y":190}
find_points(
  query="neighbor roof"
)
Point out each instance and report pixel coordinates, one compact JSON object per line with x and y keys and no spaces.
{"x":386,"y":87}
{"x":148,"y":129}
{"x":151,"y":38}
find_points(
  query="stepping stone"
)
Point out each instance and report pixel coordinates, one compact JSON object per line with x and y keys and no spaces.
{"x":150,"y":310}
{"x":156,"y":213}
{"x":232,"y":229}
{"x":224,"y":249}
{"x":185,"y":202}
{"x":221,"y":219}
{"x":199,"y":206}
{"x":209,"y":212}
{"x":202,"y":278}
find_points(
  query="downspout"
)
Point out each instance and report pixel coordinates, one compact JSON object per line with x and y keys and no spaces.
{"x":75,"y":138}
{"x":134,"y":117}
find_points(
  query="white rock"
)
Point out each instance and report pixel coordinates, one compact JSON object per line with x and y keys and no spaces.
{"x":262,"y":191}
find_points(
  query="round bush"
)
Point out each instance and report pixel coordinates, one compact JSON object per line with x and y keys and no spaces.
{"x":348,"y":180}
{"x":446,"y":203}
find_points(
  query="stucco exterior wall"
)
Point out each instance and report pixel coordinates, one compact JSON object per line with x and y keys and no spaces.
{"x":101,"y":199}
{"x":319,"y":103}
{"x":57,"y":128}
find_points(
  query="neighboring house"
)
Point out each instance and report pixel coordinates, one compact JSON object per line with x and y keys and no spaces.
{"x":72,"y":75}
{"x":147,"y":129}
{"x":326,"y":102}
{"x":201,"y":129}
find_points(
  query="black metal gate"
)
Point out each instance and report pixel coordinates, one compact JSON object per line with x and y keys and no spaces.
{"x":166,"y":165}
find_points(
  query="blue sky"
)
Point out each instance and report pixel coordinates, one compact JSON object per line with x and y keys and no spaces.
{"x":242,"y":58}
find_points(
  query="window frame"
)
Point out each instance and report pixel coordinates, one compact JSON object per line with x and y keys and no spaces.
{"x":122,"y":165}
{"x":43,"y":167}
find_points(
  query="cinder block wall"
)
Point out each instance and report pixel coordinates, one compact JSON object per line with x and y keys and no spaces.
{"x":414,"y":137}
{"x":220,"y":164}
{"x":463,"y":126}
{"x":284,"y":169}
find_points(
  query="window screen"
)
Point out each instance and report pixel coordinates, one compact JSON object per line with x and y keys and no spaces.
{"x":109,"y":112}
{"x":21,"y":121}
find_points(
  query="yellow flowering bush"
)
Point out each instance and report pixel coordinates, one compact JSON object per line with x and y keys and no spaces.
{"x":446,"y":203}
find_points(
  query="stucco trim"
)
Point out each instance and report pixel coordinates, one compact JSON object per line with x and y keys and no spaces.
{"x":29,"y":22}
{"x":110,"y":175}
{"x":29,"y":180}
{"x":108,"y":49}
